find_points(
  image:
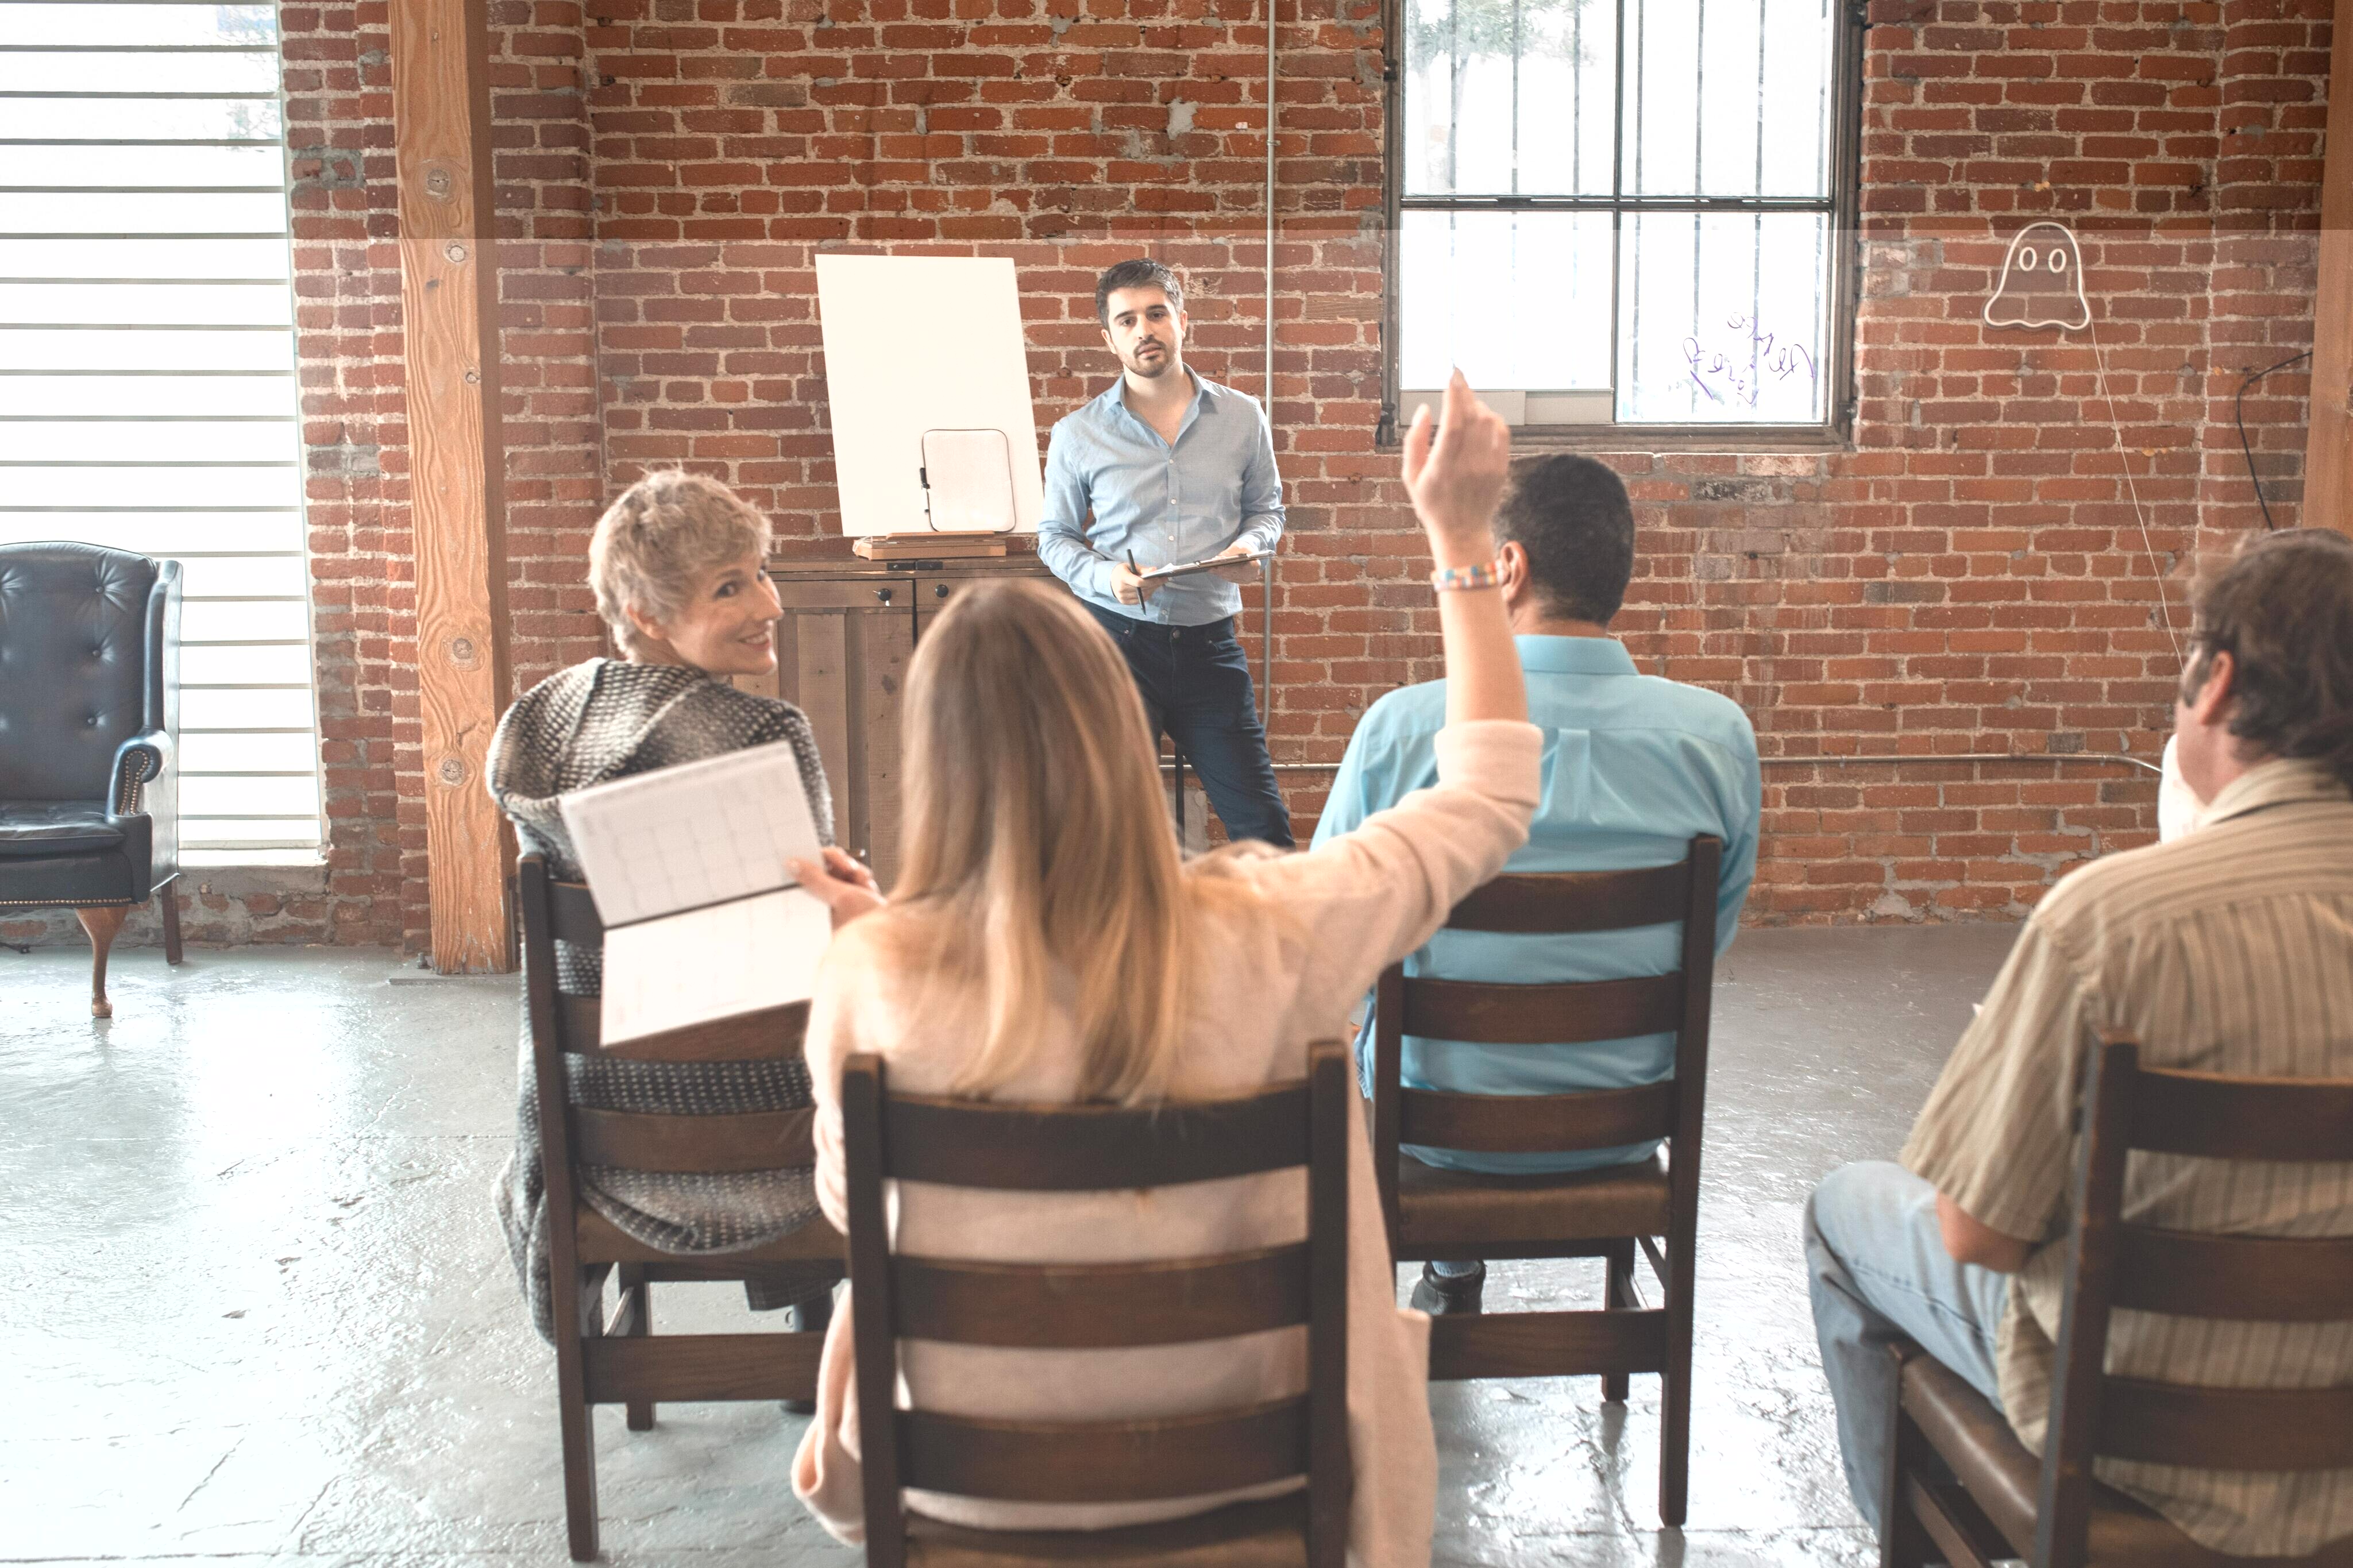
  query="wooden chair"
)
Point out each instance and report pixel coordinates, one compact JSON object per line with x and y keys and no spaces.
{"x":616,"y":1361}
{"x":1059,"y":1148}
{"x":1604,"y":1213}
{"x":1990,"y":1498}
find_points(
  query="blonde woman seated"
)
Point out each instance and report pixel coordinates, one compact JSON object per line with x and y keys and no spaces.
{"x":1045,"y":945}
{"x":677,"y":564}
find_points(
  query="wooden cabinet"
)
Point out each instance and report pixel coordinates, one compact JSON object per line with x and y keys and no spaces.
{"x":848,"y":630}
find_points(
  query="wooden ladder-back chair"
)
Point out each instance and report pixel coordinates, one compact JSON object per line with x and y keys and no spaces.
{"x":618,"y":1361}
{"x":1606,"y":1213}
{"x":1990,"y":1498}
{"x":1079,"y":1148}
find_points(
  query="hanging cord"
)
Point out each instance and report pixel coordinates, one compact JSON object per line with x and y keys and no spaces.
{"x":2238,"y":408}
{"x":2124,"y":459}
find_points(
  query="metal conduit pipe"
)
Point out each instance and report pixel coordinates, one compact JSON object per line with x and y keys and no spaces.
{"x":1270,"y":214}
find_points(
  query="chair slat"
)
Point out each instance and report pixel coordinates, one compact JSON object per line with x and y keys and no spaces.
{"x":1564,"y":902}
{"x":1091,"y":1148}
{"x":1099,"y":1306}
{"x":771,"y":1033}
{"x":1543,"y":1015}
{"x":1535,"y":1123}
{"x":571,"y":914}
{"x":1541,"y":1344}
{"x":688,"y":1145}
{"x":2220,"y":1118}
{"x":2226,"y":1428}
{"x":2268,"y":1280}
{"x":687,"y":1368}
{"x":1106,"y":1461}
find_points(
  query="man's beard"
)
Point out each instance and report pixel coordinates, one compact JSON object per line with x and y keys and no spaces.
{"x":1158,"y":368}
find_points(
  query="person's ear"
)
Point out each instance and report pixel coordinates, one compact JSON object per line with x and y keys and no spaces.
{"x":1511,"y":570}
{"x":645,"y":627}
{"x":2210,"y":704}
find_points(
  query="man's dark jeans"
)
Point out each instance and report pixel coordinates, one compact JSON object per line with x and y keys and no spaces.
{"x":1196,"y":682}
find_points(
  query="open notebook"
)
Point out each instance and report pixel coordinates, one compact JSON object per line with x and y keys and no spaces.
{"x":687,"y":866}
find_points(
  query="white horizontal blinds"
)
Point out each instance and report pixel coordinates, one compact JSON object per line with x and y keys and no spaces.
{"x":147,"y":388}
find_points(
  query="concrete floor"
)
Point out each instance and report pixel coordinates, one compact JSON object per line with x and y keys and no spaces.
{"x":257,"y":1309}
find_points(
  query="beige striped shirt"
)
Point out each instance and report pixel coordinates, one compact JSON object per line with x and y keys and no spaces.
{"x":2228,"y":950}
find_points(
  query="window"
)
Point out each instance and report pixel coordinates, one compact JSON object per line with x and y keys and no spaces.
{"x":1624,"y":212}
{"x":147,"y":390}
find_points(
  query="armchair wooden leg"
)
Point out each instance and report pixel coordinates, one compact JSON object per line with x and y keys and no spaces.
{"x":640,"y":1296}
{"x":103,"y":923}
{"x":169,"y":896}
{"x":1618,"y":1292}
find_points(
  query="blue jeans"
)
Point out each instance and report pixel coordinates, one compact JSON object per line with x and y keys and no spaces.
{"x":1879,"y":1271}
{"x":1195,"y":684}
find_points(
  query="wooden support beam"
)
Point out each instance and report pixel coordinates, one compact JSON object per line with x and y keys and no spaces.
{"x":449,"y":292}
{"x":2328,"y":446}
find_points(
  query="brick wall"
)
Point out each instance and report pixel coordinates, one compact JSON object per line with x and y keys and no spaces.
{"x":1972,"y":576}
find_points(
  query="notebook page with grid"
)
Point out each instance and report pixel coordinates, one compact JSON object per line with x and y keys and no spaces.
{"x":700,"y":833}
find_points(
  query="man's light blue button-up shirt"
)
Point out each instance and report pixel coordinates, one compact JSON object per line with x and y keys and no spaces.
{"x":1214,"y":487}
{"x":1634,"y":767}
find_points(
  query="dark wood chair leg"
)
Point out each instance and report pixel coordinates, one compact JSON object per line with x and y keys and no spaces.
{"x":169,"y":895}
{"x":639,"y":1297}
{"x":576,"y":1419}
{"x":1904,"y":1542}
{"x":1618,"y":1292}
{"x":104,"y":923}
{"x":1675,"y":1387}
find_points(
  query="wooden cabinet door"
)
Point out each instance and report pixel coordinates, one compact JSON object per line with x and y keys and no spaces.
{"x":841,"y":658}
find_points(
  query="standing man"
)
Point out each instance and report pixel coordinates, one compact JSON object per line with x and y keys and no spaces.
{"x":1173,"y":468}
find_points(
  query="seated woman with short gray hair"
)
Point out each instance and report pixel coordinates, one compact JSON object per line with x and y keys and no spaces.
{"x":678,"y":564}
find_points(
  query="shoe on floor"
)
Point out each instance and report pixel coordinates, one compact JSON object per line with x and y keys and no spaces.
{"x":1440,"y":1295}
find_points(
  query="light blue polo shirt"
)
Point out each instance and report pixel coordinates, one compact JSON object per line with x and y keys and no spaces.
{"x":1634,"y":766}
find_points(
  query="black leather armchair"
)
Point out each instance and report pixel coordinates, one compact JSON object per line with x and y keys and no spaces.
{"x":90,"y":712}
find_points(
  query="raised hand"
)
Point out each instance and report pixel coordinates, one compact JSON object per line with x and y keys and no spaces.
{"x":1455,"y":474}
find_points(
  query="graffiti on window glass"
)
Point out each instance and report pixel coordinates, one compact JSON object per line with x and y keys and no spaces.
{"x":1745,"y":361}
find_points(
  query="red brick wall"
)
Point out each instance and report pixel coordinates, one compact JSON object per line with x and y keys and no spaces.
{"x":1971,"y":577}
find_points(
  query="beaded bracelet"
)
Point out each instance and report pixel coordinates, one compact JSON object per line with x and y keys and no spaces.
{"x":1448,"y":579}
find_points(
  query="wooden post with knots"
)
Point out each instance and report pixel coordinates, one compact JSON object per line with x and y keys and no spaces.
{"x":449,"y":294}
{"x":2329,"y":444}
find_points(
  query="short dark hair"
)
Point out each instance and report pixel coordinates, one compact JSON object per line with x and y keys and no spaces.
{"x":1572,"y":515}
{"x":2283,"y":610}
{"x":1141,"y":273}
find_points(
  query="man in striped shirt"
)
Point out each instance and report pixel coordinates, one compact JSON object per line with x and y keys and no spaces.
{"x":2229,"y":951}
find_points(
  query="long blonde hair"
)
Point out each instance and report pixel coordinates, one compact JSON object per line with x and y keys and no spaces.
{"x":1036,"y":843}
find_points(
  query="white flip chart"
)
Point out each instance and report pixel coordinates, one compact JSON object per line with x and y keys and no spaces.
{"x":926,"y":351}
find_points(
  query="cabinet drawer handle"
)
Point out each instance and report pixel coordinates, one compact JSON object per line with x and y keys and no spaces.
{"x":939,"y":590}
{"x":883,"y":594}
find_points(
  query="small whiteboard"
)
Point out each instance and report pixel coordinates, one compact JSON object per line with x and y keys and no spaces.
{"x":925,"y":357}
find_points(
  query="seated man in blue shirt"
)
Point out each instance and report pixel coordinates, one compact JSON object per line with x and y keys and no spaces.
{"x":1634,"y":767}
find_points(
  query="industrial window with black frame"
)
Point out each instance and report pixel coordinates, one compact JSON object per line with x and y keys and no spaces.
{"x":1613,"y":212}
{"x":147,"y":387}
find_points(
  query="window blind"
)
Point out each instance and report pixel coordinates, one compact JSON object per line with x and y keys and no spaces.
{"x":147,"y":385}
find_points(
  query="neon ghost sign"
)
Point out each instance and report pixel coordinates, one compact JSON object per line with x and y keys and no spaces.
{"x":2042,"y":281}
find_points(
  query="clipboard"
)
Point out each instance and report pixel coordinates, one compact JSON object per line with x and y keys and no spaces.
{"x":1255,"y":562}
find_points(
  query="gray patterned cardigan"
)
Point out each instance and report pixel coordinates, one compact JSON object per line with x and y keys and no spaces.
{"x":600,"y":721}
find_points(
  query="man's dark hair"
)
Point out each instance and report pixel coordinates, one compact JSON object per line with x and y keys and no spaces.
{"x":1572,"y":515}
{"x":1141,"y":273}
{"x":2282,"y":610}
